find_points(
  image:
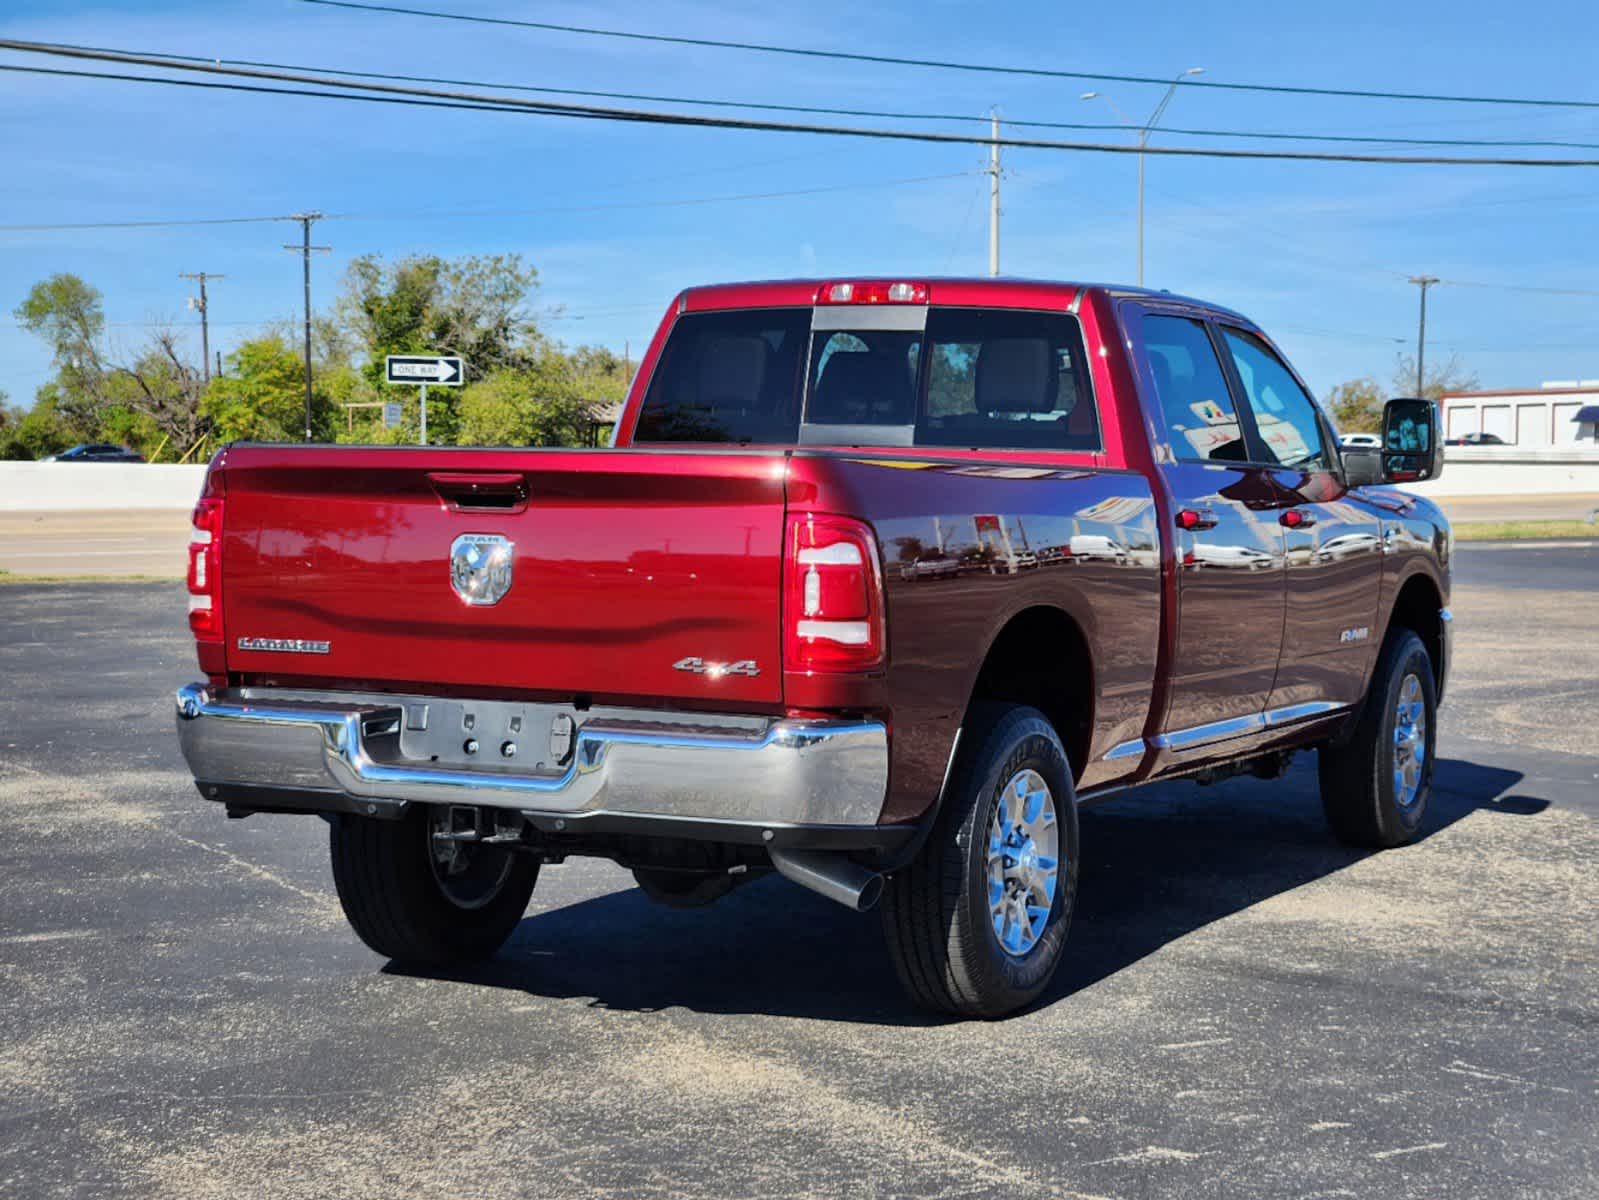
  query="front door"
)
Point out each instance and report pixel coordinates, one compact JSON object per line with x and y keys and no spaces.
{"x":1332,"y":538}
{"x":1230,"y":590}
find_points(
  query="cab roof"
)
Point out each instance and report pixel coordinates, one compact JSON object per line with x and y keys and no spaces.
{"x":1002,"y":291}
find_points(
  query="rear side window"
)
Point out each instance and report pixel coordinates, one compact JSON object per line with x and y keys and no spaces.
{"x":1006,"y":380}
{"x":1193,"y":393}
{"x":728,"y":377}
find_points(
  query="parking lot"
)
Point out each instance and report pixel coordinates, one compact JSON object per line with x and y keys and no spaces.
{"x":1247,"y":1009}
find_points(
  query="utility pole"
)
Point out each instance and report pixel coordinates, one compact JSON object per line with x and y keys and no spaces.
{"x":1423,"y":282}
{"x":200,"y":306}
{"x":993,"y":192}
{"x":1144,"y":131}
{"x":305,"y":249}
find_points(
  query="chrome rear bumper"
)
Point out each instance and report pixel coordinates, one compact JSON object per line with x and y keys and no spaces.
{"x":344,"y":754}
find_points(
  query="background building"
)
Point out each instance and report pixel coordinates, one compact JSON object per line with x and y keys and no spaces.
{"x":1532,"y":417}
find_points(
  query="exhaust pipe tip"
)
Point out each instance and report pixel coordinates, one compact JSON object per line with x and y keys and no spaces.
{"x":831,"y":875}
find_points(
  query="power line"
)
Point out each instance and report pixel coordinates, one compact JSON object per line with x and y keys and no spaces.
{"x":469,"y":213}
{"x":880,"y":114}
{"x":629,"y":204}
{"x":427,"y":97}
{"x":1517,"y":287}
{"x":72,"y":225}
{"x":949,"y":65}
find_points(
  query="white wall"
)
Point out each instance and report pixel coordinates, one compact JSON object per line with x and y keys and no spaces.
{"x":61,"y":487}
{"x":1513,"y":471}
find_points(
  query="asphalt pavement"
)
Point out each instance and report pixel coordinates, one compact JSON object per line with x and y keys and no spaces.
{"x":1248,"y":1009}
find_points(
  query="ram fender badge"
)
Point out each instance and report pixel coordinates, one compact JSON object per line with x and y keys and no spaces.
{"x":698,"y":666}
{"x":1355,"y":635}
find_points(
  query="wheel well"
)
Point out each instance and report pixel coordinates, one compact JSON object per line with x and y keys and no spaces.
{"x":1416,"y":608}
{"x":1041,"y":659}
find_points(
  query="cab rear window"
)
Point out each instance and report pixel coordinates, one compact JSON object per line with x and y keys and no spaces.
{"x":973,"y":378}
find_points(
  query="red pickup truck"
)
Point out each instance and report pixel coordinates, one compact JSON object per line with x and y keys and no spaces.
{"x":879,"y":582}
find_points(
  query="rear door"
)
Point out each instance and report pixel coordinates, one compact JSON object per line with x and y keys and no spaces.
{"x":1332,"y":538}
{"x":1230,"y":591}
{"x":569,"y":572}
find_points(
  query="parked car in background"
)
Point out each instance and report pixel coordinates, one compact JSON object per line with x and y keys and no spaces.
{"x":96,"y":452}
{"x":1360,"y":439}
{"x":1476,"y":439}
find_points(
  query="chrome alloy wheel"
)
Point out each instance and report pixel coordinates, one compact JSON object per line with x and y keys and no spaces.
{"x":469,"y":873}
{"x":1023,"y":862}
{"x":1410,"y":741}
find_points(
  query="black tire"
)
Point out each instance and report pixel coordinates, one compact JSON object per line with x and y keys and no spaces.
{"x":393,"y":897}
{"x":936,"y":911}
{"x":1359,"y":791}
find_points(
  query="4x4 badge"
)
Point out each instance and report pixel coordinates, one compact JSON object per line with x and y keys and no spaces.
{"x":698,"y":666}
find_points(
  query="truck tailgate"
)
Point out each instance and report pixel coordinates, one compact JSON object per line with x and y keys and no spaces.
{"x":622,"y":565}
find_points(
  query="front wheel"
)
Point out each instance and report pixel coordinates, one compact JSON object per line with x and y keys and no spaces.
{"x":977,"y":922}
{"x":416,"y":895}
{"x":1375,"y":785}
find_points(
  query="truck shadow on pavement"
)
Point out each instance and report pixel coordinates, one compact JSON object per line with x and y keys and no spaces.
{"x":1157,"y":864}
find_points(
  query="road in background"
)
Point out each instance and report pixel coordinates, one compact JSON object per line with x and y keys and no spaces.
{"x":1246,"y":1009}
{"x":140,"y":542}
{"x":1573,"y":506}
{"x":152,"y":542}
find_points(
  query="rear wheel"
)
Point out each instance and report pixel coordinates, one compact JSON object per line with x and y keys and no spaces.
{"x":977,"y":922}
{"x":1375,"y":786}
{"x":414,"y":894}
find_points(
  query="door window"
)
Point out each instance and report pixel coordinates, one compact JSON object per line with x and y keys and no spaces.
{"x":1285,"y":416}
{"x":1200,"y":420}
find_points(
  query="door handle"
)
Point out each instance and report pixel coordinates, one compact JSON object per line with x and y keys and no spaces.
{"x":1195,"y":518}
{"x":1297,"y":518}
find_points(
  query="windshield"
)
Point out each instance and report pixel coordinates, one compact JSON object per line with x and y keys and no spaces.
{"x":974,"y":378}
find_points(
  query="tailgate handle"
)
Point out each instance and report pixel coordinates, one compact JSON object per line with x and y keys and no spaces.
{"x":481,"y":492}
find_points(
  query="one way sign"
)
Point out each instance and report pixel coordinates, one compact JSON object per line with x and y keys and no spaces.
{"x":425,"y":369}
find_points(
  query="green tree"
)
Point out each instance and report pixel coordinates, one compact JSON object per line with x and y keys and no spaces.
{"x":261,"y":397}
{"x":42,"y":429}
{"x":540,"y":405}
{"x":11,"y":418}
{"x":65,"y":312}
{"x":423,"y":304}
{"x":601,"y":374}
{"x":154,"y":397}
{"x":1356,"y":405}
{"x":1447,"y":376}
{"x":163,"y":389}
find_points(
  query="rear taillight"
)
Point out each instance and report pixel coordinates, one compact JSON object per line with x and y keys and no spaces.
{"x":872,"y":291}
{"x":205,"y":570}
{"x":833,"y":596}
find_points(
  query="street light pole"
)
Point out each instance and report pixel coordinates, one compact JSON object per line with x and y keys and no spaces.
{"x":1143,"y":140}
{"x":993,"y":193}
{"x":1423,"y":282}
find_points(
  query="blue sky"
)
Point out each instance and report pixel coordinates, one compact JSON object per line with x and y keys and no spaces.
{"x":1315,"y":252}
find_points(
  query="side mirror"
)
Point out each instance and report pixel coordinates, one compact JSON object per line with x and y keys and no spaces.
{"x":1412,"y":450}
{"x":1362,"y":465}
